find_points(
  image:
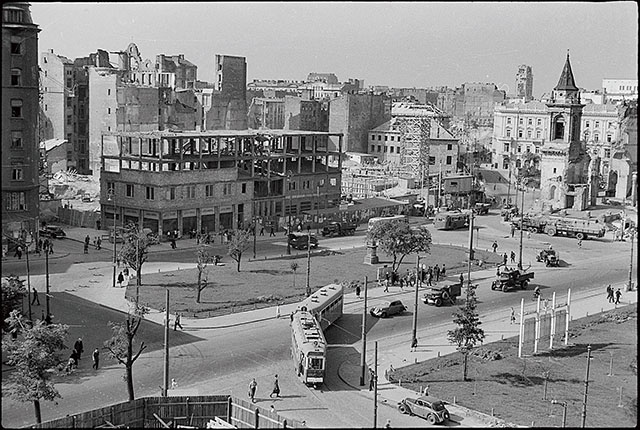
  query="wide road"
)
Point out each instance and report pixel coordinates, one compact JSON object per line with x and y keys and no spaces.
{"x":224,"y":360}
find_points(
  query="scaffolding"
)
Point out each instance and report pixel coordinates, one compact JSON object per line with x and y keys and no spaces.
{"x":414,"y":136}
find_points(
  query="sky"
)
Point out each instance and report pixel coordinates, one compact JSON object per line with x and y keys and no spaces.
{"x":397,"y":44}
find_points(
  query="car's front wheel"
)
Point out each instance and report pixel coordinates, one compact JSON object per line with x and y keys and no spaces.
{"x":432,"y":419}
{"x":403,"y":408}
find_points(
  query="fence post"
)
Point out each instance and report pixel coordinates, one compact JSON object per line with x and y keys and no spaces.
{"x":257,"y":419}
{"x":229,"y":406}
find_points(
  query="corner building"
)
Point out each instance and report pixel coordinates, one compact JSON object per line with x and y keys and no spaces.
{"x":217,"y":180}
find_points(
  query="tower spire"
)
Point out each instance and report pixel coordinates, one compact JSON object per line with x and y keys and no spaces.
{"x":566,"y":81}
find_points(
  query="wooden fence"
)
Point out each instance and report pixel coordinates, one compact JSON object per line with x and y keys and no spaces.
{"x":78,"y":218}
{"x":160,"y":412}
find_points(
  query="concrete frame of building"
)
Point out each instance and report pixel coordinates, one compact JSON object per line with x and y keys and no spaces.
{"x":217,"y":180}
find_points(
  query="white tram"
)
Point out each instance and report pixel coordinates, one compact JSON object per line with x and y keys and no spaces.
{"x":308,"y":344}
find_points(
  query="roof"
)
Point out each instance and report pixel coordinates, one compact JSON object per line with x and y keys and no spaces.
{"x":157,"y":134}
{"x":566,"y":81}
{"x":48,"y":145}
{"x":415,"y":109}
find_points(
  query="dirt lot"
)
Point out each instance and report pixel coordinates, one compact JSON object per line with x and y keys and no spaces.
{"x":514,"y":388}
{"x":264,"y":283}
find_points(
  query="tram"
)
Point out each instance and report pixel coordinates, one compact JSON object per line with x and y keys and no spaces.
{"x":308,"y":345}
{"x":451,"y":220}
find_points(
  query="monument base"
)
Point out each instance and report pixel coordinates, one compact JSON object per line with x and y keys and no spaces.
{"x":372,"y":255}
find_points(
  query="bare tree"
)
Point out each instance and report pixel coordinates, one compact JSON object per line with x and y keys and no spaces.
{"x":204,"y":258}
{"x":121,"y":344}
{"x":294,"y":266}
{"x":134,"y":250}
{"x":468,"y":333}
{"x":239,"y":242}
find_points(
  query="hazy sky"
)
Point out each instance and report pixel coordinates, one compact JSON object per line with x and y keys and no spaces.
{"x":399,"y":44}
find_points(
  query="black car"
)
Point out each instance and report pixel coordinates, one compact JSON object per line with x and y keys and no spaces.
{"x":301,"y":240}
{"x":52,"y":231}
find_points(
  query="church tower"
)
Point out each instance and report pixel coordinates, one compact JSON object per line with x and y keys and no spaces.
{"x":564,"y":161}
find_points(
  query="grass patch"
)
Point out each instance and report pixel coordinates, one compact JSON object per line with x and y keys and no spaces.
{"x":514,"y":388}
{"x":264,"y":283}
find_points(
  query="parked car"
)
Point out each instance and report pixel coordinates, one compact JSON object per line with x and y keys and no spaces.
{"x":300,"y":240}
{"x":427,"y":407}
{"x":387,"y":309}
{"x":52,"y":231}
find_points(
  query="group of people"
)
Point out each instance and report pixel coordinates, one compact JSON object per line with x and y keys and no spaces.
{"x":76,"y":355}
{"x":613,"y":296}
{"x":253,"y":386}
{"x":42,"y":245}
{"x":426,"y":274}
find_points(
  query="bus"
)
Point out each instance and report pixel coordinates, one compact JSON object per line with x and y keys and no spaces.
{"x":374,"y":220}
{"x":308,"y":348}
{"x":451,"y":220}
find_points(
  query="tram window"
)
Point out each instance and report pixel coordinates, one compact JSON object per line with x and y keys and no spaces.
{"x":315,"y":363}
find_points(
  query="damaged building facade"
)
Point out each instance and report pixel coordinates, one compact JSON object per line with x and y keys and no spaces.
{"x":217,"y":180}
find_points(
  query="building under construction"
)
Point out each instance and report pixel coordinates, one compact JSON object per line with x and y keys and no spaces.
{"x":217,"y":180}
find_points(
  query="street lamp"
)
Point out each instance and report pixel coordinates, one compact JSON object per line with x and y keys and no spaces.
{"x":521,"y":227}
{"x":414,"y":337}
{"x":632,"y":234}
{"x":564,"y":410}
{"x":289,"y":174}
{"x":317,"y":209}
{"x":111,"y":197}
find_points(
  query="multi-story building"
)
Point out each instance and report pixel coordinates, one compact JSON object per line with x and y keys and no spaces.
{"x":475,"y":102}
{"x":301,"y":114}
{"x":20,"y":108}
{"x":524,"y":82}
{"x":174,"y":71}
{"x":217,"y":180}
{"x":266,"y":113}
{"x":268,"y":86}
{"x":420,"y":95}
{"x":228,"y":108}
{"x":327,"y":78}
{"x":617,"y":90}
{"x":354,"y":115}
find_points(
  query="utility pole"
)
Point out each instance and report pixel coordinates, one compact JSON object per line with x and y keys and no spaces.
{"x":254,"y":237}
{"x":111,"y":195}
{"x":289,"y":173}
{"x":363,"y":354}
{"x":630,"y":285}
{"x":375,"y":385}
{"x":414,"y":337}
{"x":26,"y":251}
{"x":521,"y":228}
{"x":46,"y":266}
{"x":471,"y":218}
{"x":586,"y":388}
{"x":308,"y":260}
{"x":166,"y":346}
{"x":317,"y":209}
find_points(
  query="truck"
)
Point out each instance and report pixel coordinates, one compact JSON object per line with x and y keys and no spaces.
{"x":443,"y":294}
{"x":512,"y":279}
{"x":336,"y":228}
{"x":580,"y":228}
{"x":550,"y":257}
{"x":481,"y":208}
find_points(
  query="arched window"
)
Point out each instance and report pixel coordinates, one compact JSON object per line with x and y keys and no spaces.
{"x":552,"y":192}
{"x":16,"y":77}
{"x":559,"y":128}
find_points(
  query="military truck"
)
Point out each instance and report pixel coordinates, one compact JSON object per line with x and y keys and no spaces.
{"x":512,"y":279}
{"x":442,"y":294}
{"x":550,"y":257}
{"x":481,"y":208}
{"x":336,"y":228}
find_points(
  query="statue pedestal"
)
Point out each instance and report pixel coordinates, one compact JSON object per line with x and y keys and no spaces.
{"x":372,"y":255}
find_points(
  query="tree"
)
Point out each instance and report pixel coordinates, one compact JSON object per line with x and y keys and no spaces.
{"x":34,"y":355}
{"x":203,"y":258}
{"x":122,"y":343}
{"x":239,"y":243}
{"x":468,"y":333}
{"x":13,"y":292}
{"x":398,"y":239}
{"x":135,"y":249}
{"x":294,"y":266}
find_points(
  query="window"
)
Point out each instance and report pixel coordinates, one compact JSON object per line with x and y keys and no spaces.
{"x":607,"y":153}
{"x":508,"y":132}
{"x":373,"y":148}
{"x":509,"y":120}
{"x":529,"y":134}
{"x":449,"y":159}
{"x":150,"y":193}
{"x":69,"y":119}
{"x":109,"y":91}
{"x":16,"y":108}
{"x":379,"y":137}
{"x":129,"y":190}
{"x":530,"y":121}
{"x":539,"y":121}
{"x":16,"y":139}
{"x":227,"y":189}
{"x":16,"y":48}
{"x":392,"y":138}
{"x":190,"y":191}
{"x":16,"y":77}
{"x":519,"y":133}
{"x":385,"y":138}
{"x":17,"y":174}
{"x":244,"y":188}
{"x":521,"y":121}
{"x":449,"y":147}
{"x":596,"y":137}
{"x":597,"y":124}
{"x":171,"y":193}
{"x":333,"y":182}
{"x":588,"y":124}
{"x":109,"y":111}
{"x":554,"y":170}
{"x":505,"y":147}
{"x":386,"y":148}
{"x":16,"y":201}
{"x":537,"y":134}
{"x":379,"y":148}
{"x":208,"y":190}
{"x":373,"y":137}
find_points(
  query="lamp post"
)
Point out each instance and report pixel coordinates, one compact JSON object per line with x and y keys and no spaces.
{"x":564,"y":410}
{"x":317,"y":209}
{"x":632,"y":234}
{"x":521,"y":228}
{"x":111,"y":197}
{"x":414,"y":336}
{"x":289,"y":174}
{"x":254,"y":225}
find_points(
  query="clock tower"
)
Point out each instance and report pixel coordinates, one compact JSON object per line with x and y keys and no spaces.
{"x":564,"y":161}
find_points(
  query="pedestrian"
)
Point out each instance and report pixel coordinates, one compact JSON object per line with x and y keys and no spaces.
{"x":513,"y":257}
{"x":39,"y":245}
{"x":461,"y":279}
{"x":426,"y":391}
{"x":50,"y":247}
{"x":173,"y":243}
{"x":272,"y":232}
{"x":176,"y":322}
{"x":120,"y":279}
{"x":96,"y":358}
{"x":35,"y":297}
{"x":86,"y":248}
{"x":77,"y":346}
{"x":99,"y":242}
{"x":276,"y":388}
{"x":95,"y":242}
{"x":436,"y":272}
{"x":261,"y":230}
{"x":579,"y":242}
{"x":387,"y":425}
{"x":513,"y":230}
{"x":358,"y":291}
{"x":528,"y":234}
{"x":277,"y":310}
{"x":504,"y":258}
{"x":87,"y":239}
{"x":494,"y":246}
{"x":513,"y":316}
{"x":174,"y":383}
{"x":443,"y":271}
{"x":610,"y":294}
{"x":18,"y":252}
{"x":414,"y":344}
{"x":252,"y":390}
{"x":372,"y":379}
{"x":618,"y":294}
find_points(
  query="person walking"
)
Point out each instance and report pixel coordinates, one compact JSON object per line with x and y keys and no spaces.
{"x":372,"y":379}
{"x":358,"y":291}
{"x":272,"y":232}
{"x":610,"y":294}
{"x":77,"y":346}
{"x":252,"y":390}
{"x":461,"y":279}
{"x":494,"y":246}
{"x":18,"y":252}
{"x":513,"y":316}
{"x":618,"y":294}
{"x":35,"y":297}
{"x":50,"y":247}
{"x":96,"y":358}
{"x":504,"y":258}
{"x":176,"y":322}
{"x":513,"y":257}
{"x":261,"y":230}
{"x":87,"y":239}
{"x":120,"y":279}
{"x":86,"y":248}
{"x":513,"y":230}
{"x":277,"y":310}
{"x":443,"y":271}
{"x":436,"y":272}
{"x":99,"y":243}
{"x":414,"y":344}
{"x":276,"y":388}
{"x":430,"y":277}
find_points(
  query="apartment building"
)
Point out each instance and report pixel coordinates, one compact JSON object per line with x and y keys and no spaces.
{"x":617,"y":90}
{"x":217,"y":180}
{"x":228,"y":100}
{"x":266,"y":113}
{"x":475,"y":102}
{"x":20,"y":107}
